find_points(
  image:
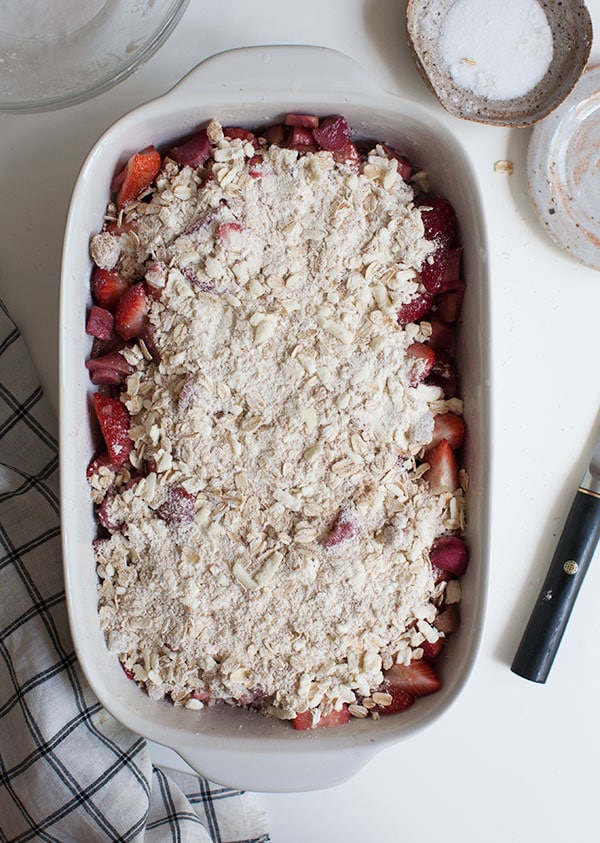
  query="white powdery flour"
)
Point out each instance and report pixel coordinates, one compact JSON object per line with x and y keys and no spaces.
{"x":496,"y":50}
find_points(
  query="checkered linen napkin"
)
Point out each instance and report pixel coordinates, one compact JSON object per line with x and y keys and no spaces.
{"x":68,"y":770}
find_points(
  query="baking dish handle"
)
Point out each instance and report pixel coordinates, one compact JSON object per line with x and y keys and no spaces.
{"x":293,"y":70}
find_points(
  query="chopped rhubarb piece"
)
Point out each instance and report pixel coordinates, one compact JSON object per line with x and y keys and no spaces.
{"x":303,"y":719}
{"x":443,"y":336}
{"x":333,"y":134}
{"x":349,"y":156}
{"x":307,"y":121}
{"x":415,"y":309}
{"x":194,"y":152}
{"x":439,"y":219}
{"x":422,"y":359}
{"x":452,"y":273}
{"x":449,"y":620}
{"x":103,"y":460}
{"x":111,"y":360}
{"x":433,"y":268}
{"x":449,"y":304}
{"x":442,"y":474}
{"x":255,"y":167}
{"x":345,"y":526}
{"x":131,"y":312}
{"x":449,"y":426}
{"x":114,"y":424}
{"x":417,"y":678}
{"x":299,"y":136}
{"x":444,"y":374}
{"x":236,"y":133}
{"x":107,"y":288}
{"x":401,"y":699}
{"x":139,"y":173}
{"x":224,"y":229}
{"x":276,"y":134}
{"x":450,"y":554}
{"x":100,"y":323}
{"x":405,"y":168}
{"x":178,"y":508}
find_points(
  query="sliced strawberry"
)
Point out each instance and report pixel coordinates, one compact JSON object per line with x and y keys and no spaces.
{"x":450,"y":554}
{"x":442,"y":474}
{"x":103,"y":515}
{"x":103,"y":460}
{"x":107,"y":288}
{"x":138,"y":174}
{"x":300,"y":136}
{"x":276,"y":134}
{"x":449,"y":620}
{"x":405,"y":168}
{"x":449,"y":304}
{"x":131,"y":312}
{"x":349,"y":156}
{"x":432,"y":650}
{"x":439,"y":219}
{"x":422,"y":359}
{"x":415,"y":309}
{"x":333,"y":134}
{"x":433,"y":269}
{"x":303,"y":719}
{"x":345,"y":526}
{"x":256,"y":167}
{"x":307,"y":121}
{"x":114,"y":424}
{"x":417,"y":678}
{"x":155,"y":275}
{"x":237,"y":133}
{"x":444,"y":374}
{"x":401,"y":699}
{"x":449,"y":426}
{"x":179,"y":507}
{"x":194,"y":152}
{"x":100,"y":323}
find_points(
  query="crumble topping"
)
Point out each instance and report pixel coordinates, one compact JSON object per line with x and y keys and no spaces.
{"x":281,"y":405}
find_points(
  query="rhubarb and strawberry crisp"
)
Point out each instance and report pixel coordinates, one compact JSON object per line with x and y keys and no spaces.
{"x":279,"y":499}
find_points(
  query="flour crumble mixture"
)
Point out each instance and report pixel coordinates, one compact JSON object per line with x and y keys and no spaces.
{"x":279,"y":492}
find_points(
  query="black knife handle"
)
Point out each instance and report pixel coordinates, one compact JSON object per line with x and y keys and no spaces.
{"x":555,"y":601}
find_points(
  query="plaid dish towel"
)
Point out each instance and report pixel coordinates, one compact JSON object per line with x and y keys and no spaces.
{"x":68,"y":770}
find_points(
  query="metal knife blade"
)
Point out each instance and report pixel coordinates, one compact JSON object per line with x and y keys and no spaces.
{"x":568,"y":567}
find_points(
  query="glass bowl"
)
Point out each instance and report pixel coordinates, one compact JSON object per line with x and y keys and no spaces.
{"x":57,"y":54}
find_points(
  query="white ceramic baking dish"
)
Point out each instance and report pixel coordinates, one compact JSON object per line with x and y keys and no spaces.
{"x":251,"y":87}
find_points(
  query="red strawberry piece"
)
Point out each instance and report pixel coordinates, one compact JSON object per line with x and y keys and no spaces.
{"x":276,"y":134}
{"x":333,"y":134}
{"x":194,"y":152}
{"x":345,"y":526}
{"x":100,"y":323}
{"x":449,"y":426}
{"x":155,"y":276}
{"x":442,"y":474}
{"x":444,"y":374}
{"x":107,"y":288}
{"x":443,"y":336}
{"x":114,"y":424}
{"x":147,"y":336}
{"x":422,"y":359}
{"x":103,"y":460}
{"x":236,"y":133}
{"x":307,"y":121}
{"x":417,"y":678}
{"x":224,"y":229}
{"x":432,"y":650}
{"x":439,"y":219}
{"x":449,"y":620}
{"x":303,"y":719}
{"x":449,"y":305}
{"x":116,"y":228}
{"x":439,"y":575}
{"x":452,"y":273}
{"x":433,"y":268}
{"x":450,"y":554}
{"x":401,"y":699}
{"x":255,"y":167}
{"x":131,"y":312}
{"x":103,"y":515}
{"x":300,"y":136}
{"x":405,"y":168}
{"x":139,"y":173}
{"x":178,"y":508}
{"x":415,"y":309}
{"x":349,"y":156}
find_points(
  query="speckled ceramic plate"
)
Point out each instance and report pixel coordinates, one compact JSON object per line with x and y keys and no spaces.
{"x":571,"y":29}
{"x":563,"y":167}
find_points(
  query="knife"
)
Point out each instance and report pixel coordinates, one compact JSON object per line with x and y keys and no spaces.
{"x":573,"y":554}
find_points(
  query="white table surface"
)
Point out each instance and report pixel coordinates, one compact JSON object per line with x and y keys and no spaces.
{"x":511,"y":760}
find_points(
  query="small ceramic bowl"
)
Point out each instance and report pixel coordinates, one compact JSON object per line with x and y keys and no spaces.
{"x":571,"y":29}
